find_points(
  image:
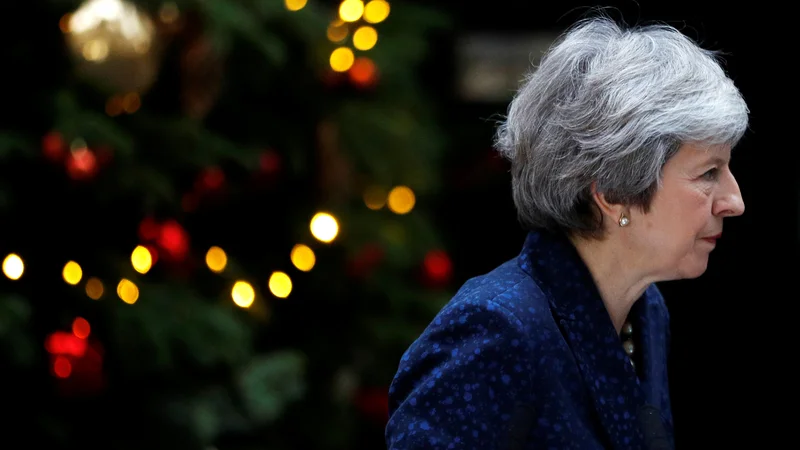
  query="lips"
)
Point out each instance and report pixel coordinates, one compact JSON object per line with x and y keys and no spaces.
{"x":713,"y":239}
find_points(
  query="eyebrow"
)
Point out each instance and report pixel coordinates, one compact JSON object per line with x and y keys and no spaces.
{"x":716,"y":160}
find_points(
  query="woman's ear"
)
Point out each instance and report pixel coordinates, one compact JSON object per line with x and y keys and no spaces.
{"x":613,"y":211}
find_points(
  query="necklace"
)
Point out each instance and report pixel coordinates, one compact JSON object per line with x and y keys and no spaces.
{"x":627,"y":341}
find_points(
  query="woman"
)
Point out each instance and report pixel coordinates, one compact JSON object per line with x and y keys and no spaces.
{"x":619,"y":144}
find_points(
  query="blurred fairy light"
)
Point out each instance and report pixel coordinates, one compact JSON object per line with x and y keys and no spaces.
{"x":94,"y":288}
{"x":342,"y":59}
{"x":324,"y":227}
{"x":376,"y":11}
{"x":72,"y":273}
{"x":127,"y":291}
{"x":351,"y":10}
{"x":141,"y":259}
{"x":81,"y":328}
{"x":13,"y":267}
{"x":280,"y":284}
{"x":243,"y":294}
{"x":375,"y":197}
{"x":337,"y":30}
{"x":295,"y":5}
{"x":216,"y":259}
{"x":365,"y":38}
{"x":303,"y":257}
{"x":401,"y":200}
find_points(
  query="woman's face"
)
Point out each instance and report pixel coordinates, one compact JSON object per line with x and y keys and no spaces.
{"x":680,"y":230}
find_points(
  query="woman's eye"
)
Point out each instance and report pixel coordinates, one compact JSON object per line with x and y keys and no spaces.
{"x":711,"y":174}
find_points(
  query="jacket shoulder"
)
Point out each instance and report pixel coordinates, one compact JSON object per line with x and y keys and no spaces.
{"x":478,"y":359}
{"x":509,"y":289}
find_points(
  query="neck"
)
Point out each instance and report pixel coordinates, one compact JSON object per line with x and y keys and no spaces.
{"x":617,"y":275}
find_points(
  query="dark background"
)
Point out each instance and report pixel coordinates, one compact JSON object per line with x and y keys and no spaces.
{"x":730,"y":358}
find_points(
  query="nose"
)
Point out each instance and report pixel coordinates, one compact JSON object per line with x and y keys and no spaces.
{"x":729,"y":202}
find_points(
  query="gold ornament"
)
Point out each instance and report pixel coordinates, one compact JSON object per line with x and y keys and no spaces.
{"x":114,"y":45}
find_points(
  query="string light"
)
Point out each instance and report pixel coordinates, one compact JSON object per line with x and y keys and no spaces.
{"x":365,"y":38}
{"x":280,"y":284}
{"x":401,"y":200}
{"x":216,"y":259}
{"x":324,"y":227}
{"x":351,"y":10}
{"x":94,"y":288}
{"x":376,"y":11}
{"x":141,"y":259}
{"x":375,"y":197}
{"x":127,"y":291}
{"x":337,"y":31}
{"x":303,"y":257}
{"x":342,"y":59}
{"x":72,"y":273}
{"x":243,"y":294}
{"x":295,"y":5}
{"x":13,"y":267}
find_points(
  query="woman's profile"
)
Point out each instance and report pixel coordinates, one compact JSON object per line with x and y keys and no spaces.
{"x":619,"y":143}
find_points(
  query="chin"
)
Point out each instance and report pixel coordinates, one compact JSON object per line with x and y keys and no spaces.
{"x":694,"y":270}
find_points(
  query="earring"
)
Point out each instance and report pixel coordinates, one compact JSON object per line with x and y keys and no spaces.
{"x":623,"y":221}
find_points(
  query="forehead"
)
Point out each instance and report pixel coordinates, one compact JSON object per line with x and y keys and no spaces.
{"x":703,"y":154}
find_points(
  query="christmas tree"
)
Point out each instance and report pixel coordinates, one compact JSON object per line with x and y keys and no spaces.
{"x":214,"y":220}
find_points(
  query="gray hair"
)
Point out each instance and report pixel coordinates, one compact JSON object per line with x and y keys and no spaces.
{"x":610,"y":106}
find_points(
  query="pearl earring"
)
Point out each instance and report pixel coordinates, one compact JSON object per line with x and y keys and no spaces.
{"x":623,"y":221}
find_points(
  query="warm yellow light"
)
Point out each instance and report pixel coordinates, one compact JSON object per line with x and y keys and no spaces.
{"x":280,"y":284}
{"x":127,"y":291}
{"x":216,"y":259}
{"x":365,"y":38}
{"x":243,"y":294}
{"x":351,"y":10}
{"x":141,"y":259}
{"x":295,"y":5}
{"x":401,"y":200}
{"x":337,"y":30}
{"x":303,"y":257}
{"x":94,"y":288}
{"x":375,"y":197}
{"x":72,"y":273}
{"x":376,"y":11}
{"x":324,"y":227}
{"x":342,"y":59}
{"x":13,"y":266}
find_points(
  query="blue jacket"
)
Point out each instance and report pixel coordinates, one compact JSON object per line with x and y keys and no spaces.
{"x":526,"y":357}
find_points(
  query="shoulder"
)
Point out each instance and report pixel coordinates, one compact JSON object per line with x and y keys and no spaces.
{"x":476,"y":360}
{"x":509,"y":292}
{"x":501,"y":315}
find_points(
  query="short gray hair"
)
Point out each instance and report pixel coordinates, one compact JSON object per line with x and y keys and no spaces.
{"x":610,"y":106}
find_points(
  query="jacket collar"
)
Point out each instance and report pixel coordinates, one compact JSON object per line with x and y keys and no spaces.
{"x":554,"y":263}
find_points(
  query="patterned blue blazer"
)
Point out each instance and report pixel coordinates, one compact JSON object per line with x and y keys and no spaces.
{"x":526,"y":357}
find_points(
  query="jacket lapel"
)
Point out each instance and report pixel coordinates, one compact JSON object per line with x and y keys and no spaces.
{"x":653,"y":325}
{"x":587,"y":328}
